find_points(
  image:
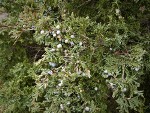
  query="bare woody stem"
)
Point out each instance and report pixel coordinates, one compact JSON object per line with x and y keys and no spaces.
{"x":123,"y":70}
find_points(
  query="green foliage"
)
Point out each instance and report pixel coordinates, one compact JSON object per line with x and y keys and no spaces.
{"x":74,"y":56}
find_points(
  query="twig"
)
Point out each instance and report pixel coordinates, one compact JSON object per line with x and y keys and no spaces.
{"x":84,"y":3}
{"x":123,"y":70}
{"x":36,"y":55}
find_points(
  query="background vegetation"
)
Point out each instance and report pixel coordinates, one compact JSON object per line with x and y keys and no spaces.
{"x":75,"y":56}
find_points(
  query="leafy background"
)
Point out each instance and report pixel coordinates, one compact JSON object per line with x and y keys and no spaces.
{"x":78,"y":56}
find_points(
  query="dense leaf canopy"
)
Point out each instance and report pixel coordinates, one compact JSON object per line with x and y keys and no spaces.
{"x":75,"y":56}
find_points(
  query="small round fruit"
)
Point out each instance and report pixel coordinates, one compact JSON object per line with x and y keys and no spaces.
{"x":72,"y":36}
{"x":66,"y":41}
{"x":87,"y":109}
{"x":59,"y":46}
{"x":54,"y":35}
{"x":42,"y":32}
{"x":58,"y":32}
